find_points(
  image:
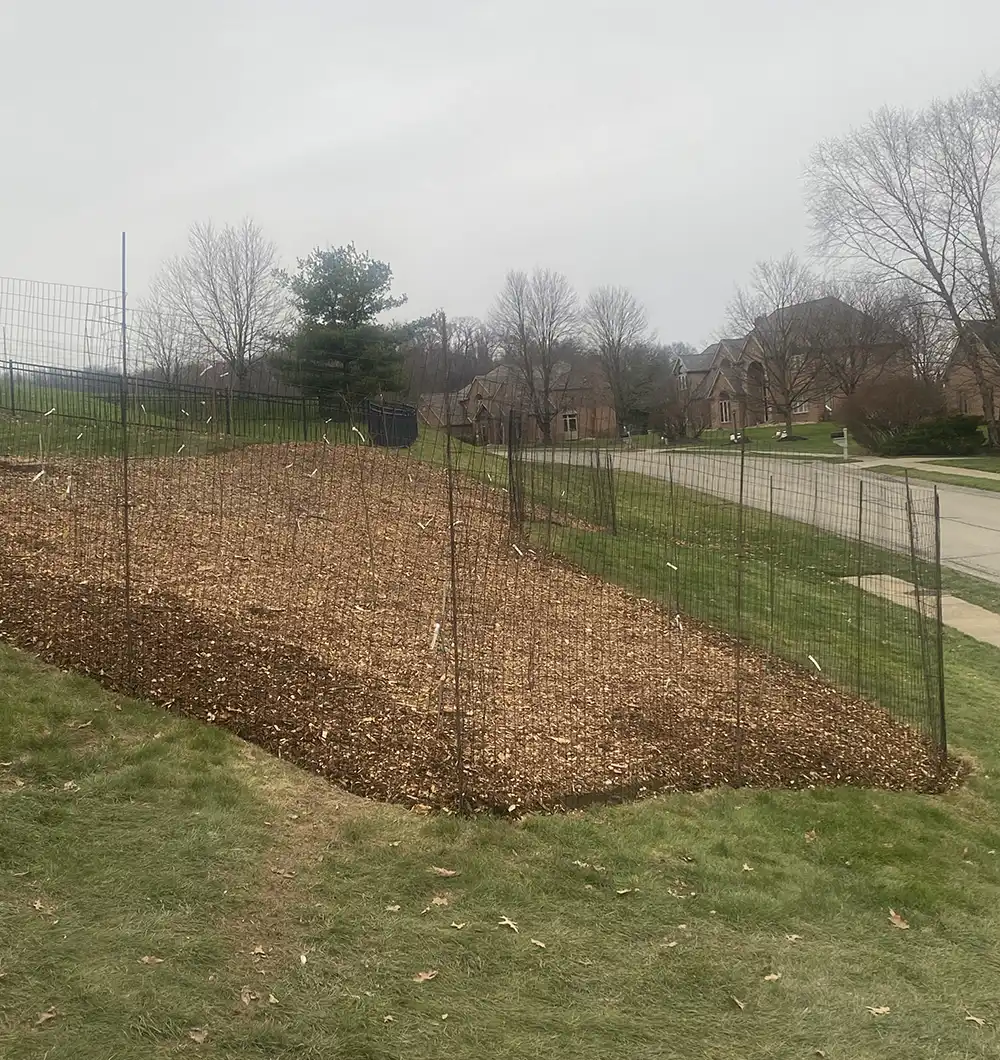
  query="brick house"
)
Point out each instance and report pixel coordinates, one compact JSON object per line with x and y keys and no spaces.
{"x":732,"y":381}
{"x":481,"y":412}
{"x":961,"y":387}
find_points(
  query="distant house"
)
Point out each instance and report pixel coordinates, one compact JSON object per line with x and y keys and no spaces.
{"x":961,"y":387}
{"x":735,"y":385}
{"x":483,"y":411}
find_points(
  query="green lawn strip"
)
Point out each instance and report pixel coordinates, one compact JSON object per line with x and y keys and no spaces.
{"x":654,"y":916}
{"x":969,"y":481}
{"x":806,"y":437}
{"x":975,"y":463}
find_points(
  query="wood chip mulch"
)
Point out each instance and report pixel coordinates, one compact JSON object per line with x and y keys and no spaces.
{"x":301,"y":596}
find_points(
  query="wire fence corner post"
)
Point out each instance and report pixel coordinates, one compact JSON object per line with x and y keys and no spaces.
{"x":126,"y":500}
{"x":738,"y":647}
{"x":942,"y":727}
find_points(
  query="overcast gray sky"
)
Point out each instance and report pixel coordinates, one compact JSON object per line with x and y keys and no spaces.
{"x":647,"y":143}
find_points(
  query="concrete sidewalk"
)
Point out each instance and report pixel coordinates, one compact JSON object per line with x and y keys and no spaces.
{"x":970,"y":619}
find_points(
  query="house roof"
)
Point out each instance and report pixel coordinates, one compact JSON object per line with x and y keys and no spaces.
{"x":804,"y":316}
{"x":704,"y":361}
{"x":442,"y":410}
{"x":699,"y":362}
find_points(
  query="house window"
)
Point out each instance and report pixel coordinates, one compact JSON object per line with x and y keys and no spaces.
{"x":682,"y":380}
{"x":725,"y":411}
{"x":800,"y":408}
{"x":571,"y":425}
{"x":963,"y":404}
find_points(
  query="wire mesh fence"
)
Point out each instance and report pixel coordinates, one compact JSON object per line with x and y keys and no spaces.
{"x":502,"y":626}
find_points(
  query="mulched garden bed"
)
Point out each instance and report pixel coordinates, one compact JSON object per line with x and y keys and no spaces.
{"x":301,"y":596}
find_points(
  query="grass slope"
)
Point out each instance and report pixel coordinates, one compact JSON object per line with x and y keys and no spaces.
{"x":126,"y":833}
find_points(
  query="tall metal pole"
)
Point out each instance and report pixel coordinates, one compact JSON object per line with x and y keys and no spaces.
{"x":940,"y":625}
{"x":859,"y":598}
{"x":739,"y":620}
{"x":126,"y":499}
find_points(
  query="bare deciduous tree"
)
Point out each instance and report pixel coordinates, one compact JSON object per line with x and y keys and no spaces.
{"x":615,"y":325}
{"x":226,"y":287}
{"x":914,"y":196}
{"x":775,"y":314}
{"x":856,"y":334}
{"x":166,"y":341}
{"x":533,"y":317}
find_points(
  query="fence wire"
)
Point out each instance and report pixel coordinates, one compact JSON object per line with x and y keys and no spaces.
{"x":455,"y":625}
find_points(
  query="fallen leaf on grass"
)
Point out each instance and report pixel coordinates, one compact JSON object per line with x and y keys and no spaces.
{"x":773,"y":977}
{"x":879,"y":1010}
{"x":540,"y":945}
{"x":44,"y":1017}
{"x":740,"y":1004}
{"x":444,"y":1015}
{"x":459,"y":926}
{"x":392,"y":908}
{"x":507,"y":923}
{"x":439,"y":899}
{"x":302,"y":958}
{"x":746,"y":867}
{"x":198,"y":1035}
{"x":151,"y":960}
{"x":71,"y":785}
{"x":625,"y":890}
{"x":259,"y":951}
{"x":975,"y":1019}
{"x":271,"y":999}
{"x":793,"y":938}
{"x":287,"y":874}
{"x":426,"y":909}
{"x":423,"y":977}
{"x":388,"y":1019}
{"x":897,"y":920}
{"x":671,"y":944}
{"x":810,"y":835}
{"x":443,"y":872}
{"x":247,"y":995}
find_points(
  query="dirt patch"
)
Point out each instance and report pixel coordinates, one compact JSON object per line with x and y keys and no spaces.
{"x":301,"y":596}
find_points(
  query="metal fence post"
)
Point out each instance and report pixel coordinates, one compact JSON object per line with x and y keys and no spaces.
{"x":942,"y":728}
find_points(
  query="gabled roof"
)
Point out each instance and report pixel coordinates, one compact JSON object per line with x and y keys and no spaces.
{"x":705,"y":361}
{"x":799,"y":320}
{"x":442,"y":410}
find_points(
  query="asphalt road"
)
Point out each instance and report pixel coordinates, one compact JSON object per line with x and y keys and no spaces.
{"x":832,"y":495}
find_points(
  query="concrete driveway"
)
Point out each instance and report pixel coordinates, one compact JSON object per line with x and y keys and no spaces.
{"x":842,"y":498}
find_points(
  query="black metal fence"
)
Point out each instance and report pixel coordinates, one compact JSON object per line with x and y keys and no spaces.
{"x":473,"y":627}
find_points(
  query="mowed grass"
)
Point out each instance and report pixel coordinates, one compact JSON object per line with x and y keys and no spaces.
{"x":812,"y":438}
{"x":976,"y":463}
{"x":285,"y":919}
{"x":969,"y":481}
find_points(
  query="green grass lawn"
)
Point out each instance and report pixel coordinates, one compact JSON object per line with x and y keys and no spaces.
{"x":976,"y":463}
{"x":281,"y":918}
{"x":938,"y":476}
{"x":813,"y":438}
